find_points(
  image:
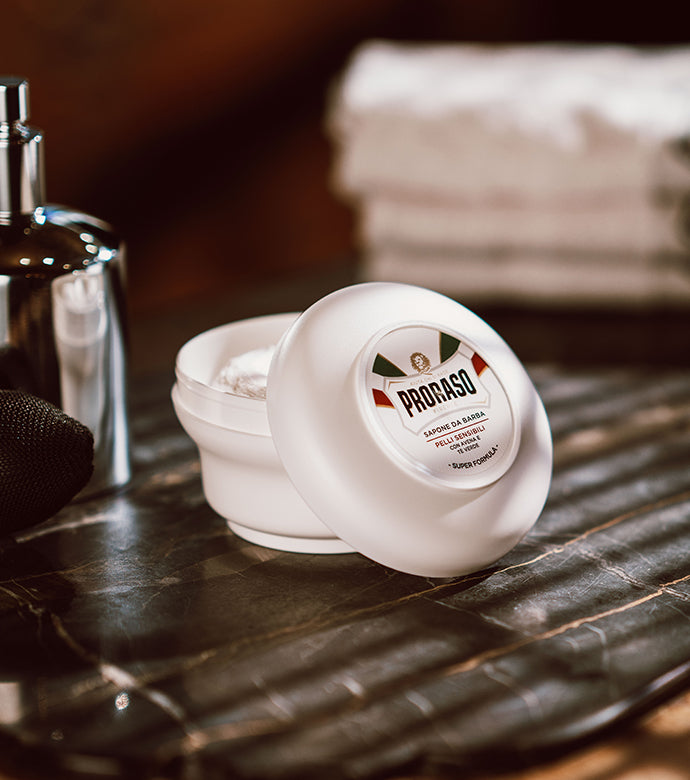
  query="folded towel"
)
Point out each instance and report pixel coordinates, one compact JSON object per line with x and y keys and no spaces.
{"x":558,"y":278}
{"x":612,"y":225}
{"x":540,"y":121}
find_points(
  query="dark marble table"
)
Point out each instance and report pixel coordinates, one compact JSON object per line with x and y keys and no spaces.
{"x":140,"y":639}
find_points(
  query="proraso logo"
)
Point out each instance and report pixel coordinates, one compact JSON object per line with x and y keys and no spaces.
{"x":438,"y":405}
{"x":421,"y":398}
{"x":427,"y":390}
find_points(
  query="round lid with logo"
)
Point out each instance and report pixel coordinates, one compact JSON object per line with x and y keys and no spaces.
{"x":410,"y":428}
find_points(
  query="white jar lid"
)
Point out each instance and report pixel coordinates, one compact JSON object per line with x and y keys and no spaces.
{"x":410,"y":428}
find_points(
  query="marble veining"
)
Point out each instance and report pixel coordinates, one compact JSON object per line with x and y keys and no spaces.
{"x":140,"y":638}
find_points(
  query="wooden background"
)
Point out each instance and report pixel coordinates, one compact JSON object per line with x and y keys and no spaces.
{"x":197,"y":128}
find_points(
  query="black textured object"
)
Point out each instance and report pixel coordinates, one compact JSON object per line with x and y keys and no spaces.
{"x":46,"y":458}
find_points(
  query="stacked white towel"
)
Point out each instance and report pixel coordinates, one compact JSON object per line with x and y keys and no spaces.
{"x":550,"y":173}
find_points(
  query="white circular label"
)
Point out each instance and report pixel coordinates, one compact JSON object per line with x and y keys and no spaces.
{"x":441,"y":406}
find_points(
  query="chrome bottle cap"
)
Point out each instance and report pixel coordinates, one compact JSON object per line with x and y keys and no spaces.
{"x":14,"y":99}
{"x":21,"y":152}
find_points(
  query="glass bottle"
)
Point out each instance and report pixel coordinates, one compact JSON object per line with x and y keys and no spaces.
{"x":62,"y":307}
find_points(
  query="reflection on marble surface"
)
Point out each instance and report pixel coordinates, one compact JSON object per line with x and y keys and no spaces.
{"x":139,"y":638}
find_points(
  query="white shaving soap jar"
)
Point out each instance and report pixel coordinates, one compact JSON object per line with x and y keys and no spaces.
{"x":393,"y":422}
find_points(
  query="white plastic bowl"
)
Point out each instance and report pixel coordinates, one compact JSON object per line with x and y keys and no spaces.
{"x":242,"y":476}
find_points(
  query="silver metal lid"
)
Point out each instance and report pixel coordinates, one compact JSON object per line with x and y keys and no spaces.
{"x":14,"y":99}
{"x":21,"y":152}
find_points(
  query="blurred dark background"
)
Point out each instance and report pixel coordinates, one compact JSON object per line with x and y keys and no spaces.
{"x":197,"y":129}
